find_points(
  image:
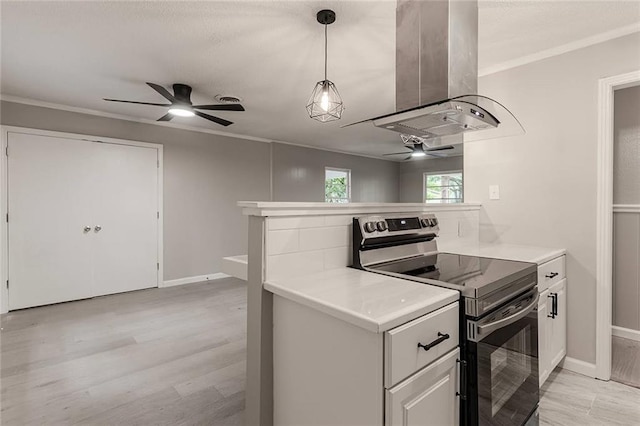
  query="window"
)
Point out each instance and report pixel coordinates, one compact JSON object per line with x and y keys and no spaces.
{"x":443,"y":187}
{"x":337,"y":185}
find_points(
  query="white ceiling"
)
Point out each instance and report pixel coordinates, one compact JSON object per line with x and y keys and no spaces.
{"x":270,"y":53}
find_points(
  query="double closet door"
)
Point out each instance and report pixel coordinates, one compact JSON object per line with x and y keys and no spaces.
{"x":83,"y":219}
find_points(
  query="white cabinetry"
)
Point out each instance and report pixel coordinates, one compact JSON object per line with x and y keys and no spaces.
{"x":428,"y":397}
{"x":552,"y":316}
{"x":330,"y":372}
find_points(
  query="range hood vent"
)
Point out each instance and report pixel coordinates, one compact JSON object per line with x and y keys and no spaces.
{"x":437,"y":76}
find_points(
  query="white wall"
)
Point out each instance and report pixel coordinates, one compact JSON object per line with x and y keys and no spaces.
{"x":205,"y":175}
{"x":547,"y":177}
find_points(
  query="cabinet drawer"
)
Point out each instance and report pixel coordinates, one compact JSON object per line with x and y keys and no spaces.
{"x":403,"y":356}
{"x":550,"y":273}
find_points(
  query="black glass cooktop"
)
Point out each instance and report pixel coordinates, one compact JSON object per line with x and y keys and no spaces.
{"x":473,"y":276}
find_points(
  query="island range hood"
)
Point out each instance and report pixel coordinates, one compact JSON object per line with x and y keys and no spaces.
{"x":437,"y":77}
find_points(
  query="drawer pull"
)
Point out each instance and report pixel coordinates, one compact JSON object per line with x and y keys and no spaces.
{"x":441,"y":338}
{"x":551,"y":275}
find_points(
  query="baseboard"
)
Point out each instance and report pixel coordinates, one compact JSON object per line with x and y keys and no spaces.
{"x":196,"y":279}
{"x":578,"y":366}
{"x":625,"y":333}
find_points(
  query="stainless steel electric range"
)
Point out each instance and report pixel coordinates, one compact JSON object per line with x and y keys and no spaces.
{"x":498,"y":318}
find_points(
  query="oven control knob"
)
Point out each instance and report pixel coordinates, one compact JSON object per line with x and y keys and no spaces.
{"x":425,"y":223}
{"x":434,"y":222}
{"x":381,"y":226}
{"x":369,"y":226}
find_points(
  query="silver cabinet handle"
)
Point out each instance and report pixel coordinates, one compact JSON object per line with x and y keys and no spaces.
{"x":98,"y":228}
{"x":87,"y":228}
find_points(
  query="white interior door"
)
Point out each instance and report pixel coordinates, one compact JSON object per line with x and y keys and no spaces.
{"x":125,"y":209}
{"x":57,"y":187}
{"x":49,"y":182}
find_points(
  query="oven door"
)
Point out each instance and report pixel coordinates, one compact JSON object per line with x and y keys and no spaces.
{"x":503,"y":364}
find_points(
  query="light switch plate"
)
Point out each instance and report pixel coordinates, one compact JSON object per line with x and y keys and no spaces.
{"x":494,"y":192}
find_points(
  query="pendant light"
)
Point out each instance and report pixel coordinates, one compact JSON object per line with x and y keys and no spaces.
{"x":325,"y":103}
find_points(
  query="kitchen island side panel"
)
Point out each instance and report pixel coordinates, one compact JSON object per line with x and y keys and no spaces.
{"x":312,"y":363}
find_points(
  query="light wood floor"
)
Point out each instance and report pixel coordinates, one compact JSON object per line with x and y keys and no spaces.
{"x":625,"y":361}
{"x":176,"y":356}
{"x":569,"y":399}
{"x":172,"y":356}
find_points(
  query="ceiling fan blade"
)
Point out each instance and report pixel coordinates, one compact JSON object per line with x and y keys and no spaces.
{"x":439,"y":148}
{"x":221,"y":107}
{"x":164,"y":92}
{"x":408,"y":158}
{"x":218,"y":120}
{"x":397,"y":153}
{"x":436,"y":155}
{"x":166,"y":117}
{"x":135,"y":102}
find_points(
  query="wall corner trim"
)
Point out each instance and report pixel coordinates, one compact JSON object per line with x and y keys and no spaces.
{"x":195,"y":279}
{"x":579,"y":366}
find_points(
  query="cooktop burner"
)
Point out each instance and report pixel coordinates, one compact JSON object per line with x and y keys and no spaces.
{"x":474,"y":277}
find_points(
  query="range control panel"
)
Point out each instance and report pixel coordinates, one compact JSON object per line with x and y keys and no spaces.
{"x":378,"y":226}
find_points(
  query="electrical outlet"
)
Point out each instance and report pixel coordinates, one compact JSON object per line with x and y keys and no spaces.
{"x":494,"y":192}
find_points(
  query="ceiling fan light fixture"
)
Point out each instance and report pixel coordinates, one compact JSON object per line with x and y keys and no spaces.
{"x":417,"y":154}
{"x":325,"y":103}
{"x":181,"y":111}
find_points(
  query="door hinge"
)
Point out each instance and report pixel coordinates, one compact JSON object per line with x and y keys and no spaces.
{"x":158,"y":266}
{"x":7,"y":284}
{"x":6,"y":151}
{"x":158,"y":215}
{"x":7,"y":217}
{"x":158,"y":164}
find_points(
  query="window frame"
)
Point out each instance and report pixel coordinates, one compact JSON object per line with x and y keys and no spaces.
{"x":443,"y":172}
{"x":342,"y":170}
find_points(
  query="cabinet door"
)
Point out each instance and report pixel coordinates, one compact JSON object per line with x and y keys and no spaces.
{"x":558,"y":329}
{"x":428,"y":397}
{"x":544,"y":305}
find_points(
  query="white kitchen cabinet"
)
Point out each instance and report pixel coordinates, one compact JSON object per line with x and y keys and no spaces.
{"x":558,"y":323}
{"x":552,"y":316}
{"x":327,"y":371}
{"x":543,"y":338}
{"x":427,"y":397}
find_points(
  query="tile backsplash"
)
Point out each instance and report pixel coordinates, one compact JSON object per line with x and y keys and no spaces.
{"x":299,"y":245}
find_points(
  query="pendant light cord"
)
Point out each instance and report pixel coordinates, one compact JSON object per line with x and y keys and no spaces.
{"x":325,"y":52}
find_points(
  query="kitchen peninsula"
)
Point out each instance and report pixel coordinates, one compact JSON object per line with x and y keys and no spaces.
{"x":297,"y":265}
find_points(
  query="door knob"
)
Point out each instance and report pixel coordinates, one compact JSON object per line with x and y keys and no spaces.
{"x":87,"y":228}
{"x":98,"y":228}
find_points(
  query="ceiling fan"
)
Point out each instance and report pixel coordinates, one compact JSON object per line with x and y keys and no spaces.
{"x":418,"y":148}
{"x":181,"y":105}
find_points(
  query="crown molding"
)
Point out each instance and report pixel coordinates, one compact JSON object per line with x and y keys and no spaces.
{"x":43,"y":104}
{"x":559,"y":50}
{"x":61,"y":107}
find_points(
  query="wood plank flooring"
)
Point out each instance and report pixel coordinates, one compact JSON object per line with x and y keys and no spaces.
{"x":171,"y":356}
{"x":625,"y":361}
{"x":569,"y":399}
{"x":176,"y":356}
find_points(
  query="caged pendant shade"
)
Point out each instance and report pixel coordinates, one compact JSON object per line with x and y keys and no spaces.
{"x":325,"y":103}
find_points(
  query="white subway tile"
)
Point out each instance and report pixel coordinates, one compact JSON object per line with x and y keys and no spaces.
{"x":322,"y":238}
{"x":338,"y":220}
{"x":337,"y":257}
{"x":294,"y":264}
{"x":284,"y":241}
{"x":275,"y":223}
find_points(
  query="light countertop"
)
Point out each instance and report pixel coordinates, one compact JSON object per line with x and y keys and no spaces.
{"x":529,"y":254}
{"x":372,"y":301}
{"x":276,"y":208}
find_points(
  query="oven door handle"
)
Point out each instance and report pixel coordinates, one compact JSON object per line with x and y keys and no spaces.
{"x":492,"y":326}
